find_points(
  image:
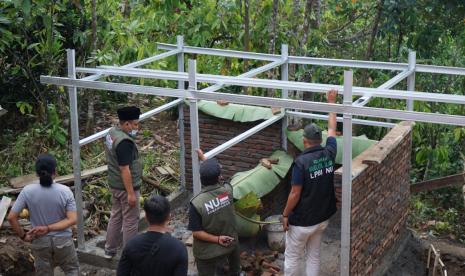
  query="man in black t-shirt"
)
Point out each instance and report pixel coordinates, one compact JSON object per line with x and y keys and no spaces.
{"x":311,"y":201}
{"x":154,"y":252}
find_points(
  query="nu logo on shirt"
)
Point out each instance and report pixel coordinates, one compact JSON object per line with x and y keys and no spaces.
{"x":217,"y":203}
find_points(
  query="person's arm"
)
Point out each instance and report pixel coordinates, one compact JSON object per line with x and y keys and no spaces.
{"x":292,"y":200}
{"x":221,"y":240}
{"x":124,"y":154}
{"x":294,"y":196}
{"x":201,"y":155}
{"x":332,"y":123}
{"x":127,"y":181}
{"x":182,"y":263}
{"x":124,"y":265}
{"x":13,"y":217}
{"x":70,"y":220}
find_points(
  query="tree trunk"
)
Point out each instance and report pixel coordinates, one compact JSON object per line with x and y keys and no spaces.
{"x":246,"y":31}
{"x":272,"y":47}
{"x":306,"y":27}
{"x":371,"y":42}
{"x":90,"y":122}
{"x":317,"y":14}
{"x":374,"y":31}
{"x":126,"y":9}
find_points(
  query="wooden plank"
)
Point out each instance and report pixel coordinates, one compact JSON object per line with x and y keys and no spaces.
{"x":146,"y":179}
{"x":162,"y":171}
{"x":169,"y":170}
{"x":4,"y":204}
{"x":21,"y":181}
{"x":433,"y":184}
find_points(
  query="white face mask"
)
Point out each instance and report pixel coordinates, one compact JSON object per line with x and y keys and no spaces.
{"x":133,"y":133}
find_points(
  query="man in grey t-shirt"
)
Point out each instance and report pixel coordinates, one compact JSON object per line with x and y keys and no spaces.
{"x":52,"y":210}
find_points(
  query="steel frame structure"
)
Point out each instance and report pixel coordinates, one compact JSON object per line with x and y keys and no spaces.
{"x":289,"y":106}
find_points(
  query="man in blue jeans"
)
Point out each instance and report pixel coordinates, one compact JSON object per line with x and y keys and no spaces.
{"x":52,"y":210}
{"x":311,"y":201}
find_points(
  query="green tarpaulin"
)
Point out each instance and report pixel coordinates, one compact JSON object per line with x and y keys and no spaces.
{"x":359,"y":144}
{"x":235,"y":112}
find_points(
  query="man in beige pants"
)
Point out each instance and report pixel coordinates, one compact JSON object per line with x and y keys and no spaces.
{"x":311,"y":201}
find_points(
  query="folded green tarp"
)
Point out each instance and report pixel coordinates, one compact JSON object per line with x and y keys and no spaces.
{"x":261,"y":180}
{"x":359,"y":143}
{"x":235,"y":112}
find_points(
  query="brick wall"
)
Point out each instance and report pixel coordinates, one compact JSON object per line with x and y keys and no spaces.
{"x":241,"y":157}
{"x":380,"y":194}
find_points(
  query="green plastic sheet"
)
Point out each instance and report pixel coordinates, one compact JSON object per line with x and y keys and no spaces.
{"x":235,"y":112}
{"x":261,"y":180}
{"x":359,"y":143}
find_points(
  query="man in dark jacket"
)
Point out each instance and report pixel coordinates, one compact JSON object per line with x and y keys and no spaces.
{"x":212,"y":222}
{"x":154,"y":252}
{"x":311,"y":201}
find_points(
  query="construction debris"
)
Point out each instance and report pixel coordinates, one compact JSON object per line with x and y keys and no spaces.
{"x":262,"y":263}
{"x":4,"y":204}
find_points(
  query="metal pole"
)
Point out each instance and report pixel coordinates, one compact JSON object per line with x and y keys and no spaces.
{"x":182,"y":147}
{"x":194,"y":117}
{"x":72,"y":93}
{"x":346,"y":177}
{"x":412,"y":60}
{"x":284,"y":93}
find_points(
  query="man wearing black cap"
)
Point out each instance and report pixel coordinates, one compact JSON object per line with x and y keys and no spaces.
{"x":311,"y":201}
{"x":212,"y":222}
{"x":124,"y":178}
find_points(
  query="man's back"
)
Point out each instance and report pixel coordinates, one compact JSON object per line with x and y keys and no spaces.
{"x":47,"y":205}
{"x":153,"y":253}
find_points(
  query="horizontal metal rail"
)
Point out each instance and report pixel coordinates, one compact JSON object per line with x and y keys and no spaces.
{"x":262,"y":101}
{"x":422,"y":68}
{"x":289,"y":85}
{"x":387,"y":85}
{"x":220,"y":52}
{"x":142,"y":117}
{"x":340,"y":119}
{"x":140,"y":62}
{"x":226,"y":145}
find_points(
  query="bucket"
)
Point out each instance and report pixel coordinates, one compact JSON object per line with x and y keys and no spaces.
{"x":275,"y":233}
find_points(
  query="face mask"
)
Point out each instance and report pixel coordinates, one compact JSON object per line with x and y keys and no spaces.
{"x":133,"y":133}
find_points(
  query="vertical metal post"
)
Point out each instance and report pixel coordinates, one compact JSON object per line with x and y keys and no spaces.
{"x":72,"y":93}
{"x":346,"y":177}
{"x":194,"y":117}
{"x":182,"y":147}
{"x":412,"y":60}
{"x":284,"y":93}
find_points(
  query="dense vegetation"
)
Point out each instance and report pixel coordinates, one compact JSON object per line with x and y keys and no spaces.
{"x":35,"y":34}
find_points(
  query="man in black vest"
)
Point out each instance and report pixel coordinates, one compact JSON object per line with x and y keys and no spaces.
{"x":212,"y":222}
{"x":311,"y":201}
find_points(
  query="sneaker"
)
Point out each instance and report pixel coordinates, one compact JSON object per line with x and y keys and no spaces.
{"x":109,"y":254}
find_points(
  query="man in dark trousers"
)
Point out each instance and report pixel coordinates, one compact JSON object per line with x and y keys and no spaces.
{"x":212,"y":222}
{"x":311,"y":201}
{"x":52,"y":211}
{"x":154,"y":252}
{"x":124,"y":179}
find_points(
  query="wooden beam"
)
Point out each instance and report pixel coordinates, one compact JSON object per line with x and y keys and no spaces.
{"x":21,"y":181}
{"x":433,"y":184}
{"x":4,"y":204}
